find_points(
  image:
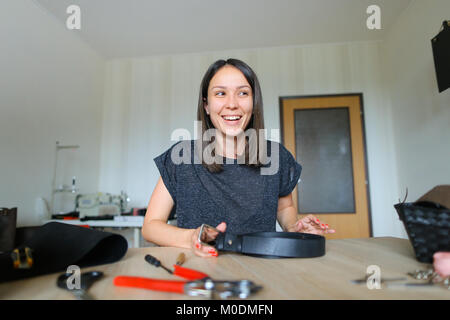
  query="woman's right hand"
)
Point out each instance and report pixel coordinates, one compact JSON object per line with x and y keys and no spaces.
{"x":441,"y":264}
{"x":203,"y":250}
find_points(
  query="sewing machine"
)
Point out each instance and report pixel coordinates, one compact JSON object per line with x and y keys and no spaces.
{"x":100,"y":204}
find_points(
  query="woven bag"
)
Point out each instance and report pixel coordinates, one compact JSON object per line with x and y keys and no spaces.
{"x":428,"y":227}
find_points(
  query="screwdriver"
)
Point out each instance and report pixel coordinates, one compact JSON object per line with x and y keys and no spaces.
{"x":152,"y":260}
{"x":181,"y":259}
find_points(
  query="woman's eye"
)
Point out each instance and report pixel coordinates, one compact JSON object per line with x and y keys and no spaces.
{"x":220,"y":93}
{"x":243,"y":93}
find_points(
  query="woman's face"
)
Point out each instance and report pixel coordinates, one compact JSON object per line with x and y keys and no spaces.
{"x":230,"y":101}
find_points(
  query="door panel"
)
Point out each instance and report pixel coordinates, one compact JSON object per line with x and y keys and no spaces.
{"x":326,"y":136}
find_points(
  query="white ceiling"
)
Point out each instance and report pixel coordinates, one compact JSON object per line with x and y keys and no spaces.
{"x":130,"y":28}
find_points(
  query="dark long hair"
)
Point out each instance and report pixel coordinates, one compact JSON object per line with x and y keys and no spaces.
{"x":256,"y":121}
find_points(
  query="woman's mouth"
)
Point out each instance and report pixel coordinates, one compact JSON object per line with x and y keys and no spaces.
{"x":232,"y":119}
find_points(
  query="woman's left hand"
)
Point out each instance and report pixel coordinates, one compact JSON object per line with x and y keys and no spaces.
{"x":310,"y":224}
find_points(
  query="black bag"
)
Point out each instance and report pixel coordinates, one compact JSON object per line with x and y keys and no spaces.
{"x":427,"y":223}
{"x":55,"y":246}
{"x":8,"y":219}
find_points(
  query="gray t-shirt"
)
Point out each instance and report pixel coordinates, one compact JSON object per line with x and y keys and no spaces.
{"x":239,"y":195}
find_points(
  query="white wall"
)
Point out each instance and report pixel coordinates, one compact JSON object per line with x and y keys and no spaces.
{"x":54,"y":87}
{"x":51,"y":87}
{"x":147,"y":98}
{"x":420,"y":114}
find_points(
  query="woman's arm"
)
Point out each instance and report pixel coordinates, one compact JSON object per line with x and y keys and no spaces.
{"x":286,"y":213}
{"x":288,"y":220}
{"x":156,"y":229}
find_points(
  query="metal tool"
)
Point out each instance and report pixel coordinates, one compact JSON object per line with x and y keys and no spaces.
{"x":153,"y":261}
{"x":207,"y":235}
{"x":410,"y":284}
{"x":186,"y":273}
{"x":86,"y":281}
{"x":382,"y":280}
{"x":205,"y":287}
{"x":431,"y":276}
{"x":428,"y":274}
{"x":181,"y":259}
{"x":200,"y":283}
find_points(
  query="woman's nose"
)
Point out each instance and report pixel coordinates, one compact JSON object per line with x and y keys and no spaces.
{"x":232,"y":102}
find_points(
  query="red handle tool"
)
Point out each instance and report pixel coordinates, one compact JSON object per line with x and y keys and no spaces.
{"x":152,"y":284}
{"x":177,"y":286}
{"x":161,"y":285}
{"x":189,"y":274}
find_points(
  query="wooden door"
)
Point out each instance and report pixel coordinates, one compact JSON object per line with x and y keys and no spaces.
{"x":326,"y":136}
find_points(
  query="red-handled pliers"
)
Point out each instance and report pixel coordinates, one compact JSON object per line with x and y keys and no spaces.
{"x":199,"y":284}
{"x":178,"y":286}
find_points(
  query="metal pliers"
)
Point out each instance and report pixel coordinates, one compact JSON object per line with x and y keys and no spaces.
{"x":198,"y":284}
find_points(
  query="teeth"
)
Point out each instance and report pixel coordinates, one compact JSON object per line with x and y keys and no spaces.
{"x":232,"y":118}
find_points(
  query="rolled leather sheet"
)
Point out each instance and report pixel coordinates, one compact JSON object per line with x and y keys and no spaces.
{"x":55,"y":246}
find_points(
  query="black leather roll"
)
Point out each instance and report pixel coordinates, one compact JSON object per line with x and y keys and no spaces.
{"x":273,"y":244}
{"x":55,"y":246}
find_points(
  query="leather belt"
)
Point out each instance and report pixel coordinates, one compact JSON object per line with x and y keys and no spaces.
{"x":273,"y":244}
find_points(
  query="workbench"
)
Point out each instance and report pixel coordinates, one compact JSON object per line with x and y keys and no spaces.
{"x":326,"y":277}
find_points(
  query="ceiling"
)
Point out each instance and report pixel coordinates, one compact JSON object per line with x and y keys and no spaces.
{"x":133,"y":28}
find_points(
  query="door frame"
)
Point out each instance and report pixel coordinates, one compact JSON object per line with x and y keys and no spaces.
{"x":363,"y":127}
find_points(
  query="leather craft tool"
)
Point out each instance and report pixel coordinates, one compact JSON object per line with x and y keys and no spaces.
{"x":86,"y":281}
{"x":178,"y":270}
{"x":199,"y":284}
{"x":155,"y":262}
{"x":181,"y":259}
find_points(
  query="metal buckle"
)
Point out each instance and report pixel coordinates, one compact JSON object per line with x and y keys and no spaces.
{"x":22,"y":258}
{"x":221,"y":289}
{"x":431,"y":276}
{"x":207,"y":235}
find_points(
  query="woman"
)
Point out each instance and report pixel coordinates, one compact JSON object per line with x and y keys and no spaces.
{"x":219,"y":189}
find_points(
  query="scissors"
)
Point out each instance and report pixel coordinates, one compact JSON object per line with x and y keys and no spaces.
{"x":86,"y":281}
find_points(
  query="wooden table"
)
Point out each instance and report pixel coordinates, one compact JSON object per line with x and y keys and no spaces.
{"x":327,"y":277}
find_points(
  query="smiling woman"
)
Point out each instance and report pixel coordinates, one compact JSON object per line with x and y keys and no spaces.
{"x":230,"y":101}
{"x":237,"y":197}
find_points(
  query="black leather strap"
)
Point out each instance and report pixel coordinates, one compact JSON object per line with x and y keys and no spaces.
{"x":273,"y":244}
